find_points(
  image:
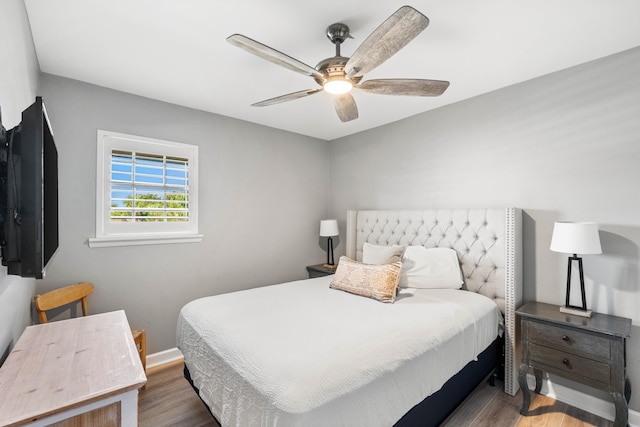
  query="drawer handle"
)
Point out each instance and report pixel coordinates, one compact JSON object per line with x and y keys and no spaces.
{"x":566,"y":338}
{"x":566,"y":362}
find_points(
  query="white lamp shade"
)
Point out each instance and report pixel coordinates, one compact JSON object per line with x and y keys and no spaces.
{"x":329,"y":228}
{"x":576,"y":238}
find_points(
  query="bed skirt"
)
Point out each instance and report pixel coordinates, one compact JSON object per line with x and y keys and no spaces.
{"x":434,"y":409}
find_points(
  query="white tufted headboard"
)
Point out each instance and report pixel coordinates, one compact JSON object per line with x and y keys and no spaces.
{"x":489,"y":247}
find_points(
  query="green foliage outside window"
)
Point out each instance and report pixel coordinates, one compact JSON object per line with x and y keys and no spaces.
{"x":150,"y":207}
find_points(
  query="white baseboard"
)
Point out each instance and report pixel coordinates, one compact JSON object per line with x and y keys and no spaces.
{"x":581,"y":400}
{"x":162,"y":357}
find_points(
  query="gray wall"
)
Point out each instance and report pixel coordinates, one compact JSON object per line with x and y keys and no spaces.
{"x":19,"y":73}
{"x":262,"y":195}
{"x":562,"y":147}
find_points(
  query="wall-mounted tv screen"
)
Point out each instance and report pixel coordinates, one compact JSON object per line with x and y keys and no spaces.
{"x":29,"y":194}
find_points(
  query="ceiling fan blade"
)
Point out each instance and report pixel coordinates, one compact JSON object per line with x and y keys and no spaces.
{"x":346,"y":107}
{"x":272,"y":55}
{"x":287,"y":97}
{"x":407,"y":87}
{"x":391,"y":36}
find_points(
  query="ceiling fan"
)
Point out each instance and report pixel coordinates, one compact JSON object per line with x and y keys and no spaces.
{"x":338,"y":75}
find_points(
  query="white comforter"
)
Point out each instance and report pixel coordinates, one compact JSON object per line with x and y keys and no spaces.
{"x":302,"y":354}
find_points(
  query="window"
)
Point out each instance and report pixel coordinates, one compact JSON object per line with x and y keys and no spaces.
{"x":149,"y":187}
{"x":146,"y":191}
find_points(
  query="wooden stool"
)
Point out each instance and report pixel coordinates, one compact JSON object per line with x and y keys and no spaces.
{"x":140,"y":339}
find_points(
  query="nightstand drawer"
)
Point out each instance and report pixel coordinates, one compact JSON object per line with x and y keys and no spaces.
{"x":570,"y":340}
{"x":565,"y":363}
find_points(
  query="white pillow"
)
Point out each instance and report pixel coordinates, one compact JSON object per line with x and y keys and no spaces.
{"x":379,"y":255}
{"x":432,"y":268}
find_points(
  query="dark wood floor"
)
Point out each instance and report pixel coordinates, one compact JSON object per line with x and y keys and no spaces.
{"x":169,"y":400}
{"x":490,"y":406}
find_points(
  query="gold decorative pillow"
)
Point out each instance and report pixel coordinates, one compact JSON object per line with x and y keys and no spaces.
{"x":368,"y":280}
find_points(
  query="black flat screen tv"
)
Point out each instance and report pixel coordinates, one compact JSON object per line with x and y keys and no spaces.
{"x":29,"y":194}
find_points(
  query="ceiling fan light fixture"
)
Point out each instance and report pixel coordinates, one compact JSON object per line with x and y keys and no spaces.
{"x":338,"y":86}
{"x":338,"y":74}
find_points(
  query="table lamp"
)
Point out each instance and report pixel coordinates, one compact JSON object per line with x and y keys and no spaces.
{"x":576,"y":238}
{"x":329,"y":228}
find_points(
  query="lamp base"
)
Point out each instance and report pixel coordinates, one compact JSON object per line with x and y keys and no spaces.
{"x":575,"y":311}
{"x":330,"y":266}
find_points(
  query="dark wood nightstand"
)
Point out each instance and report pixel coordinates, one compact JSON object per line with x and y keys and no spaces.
{"x":590,"y":351}
{"x":319,"y":270}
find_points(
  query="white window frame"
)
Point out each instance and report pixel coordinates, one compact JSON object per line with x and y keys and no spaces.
{"x":110,"y":233}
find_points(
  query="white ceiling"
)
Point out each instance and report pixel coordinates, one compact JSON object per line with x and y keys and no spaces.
{"x":175,"y":50}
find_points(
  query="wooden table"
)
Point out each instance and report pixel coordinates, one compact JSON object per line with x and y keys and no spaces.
{"x":591,"y":351}
{"x":320,"y":270}
{"x":85,"y":370}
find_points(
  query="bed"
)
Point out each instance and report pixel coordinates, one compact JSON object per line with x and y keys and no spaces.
{"x":304,"y":354}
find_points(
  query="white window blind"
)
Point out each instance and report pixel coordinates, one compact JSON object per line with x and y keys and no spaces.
{"x":149,"y":187}
{"x":146,"y":191}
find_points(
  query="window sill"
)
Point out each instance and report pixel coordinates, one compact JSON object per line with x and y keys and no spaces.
{"x":143,"y":239}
